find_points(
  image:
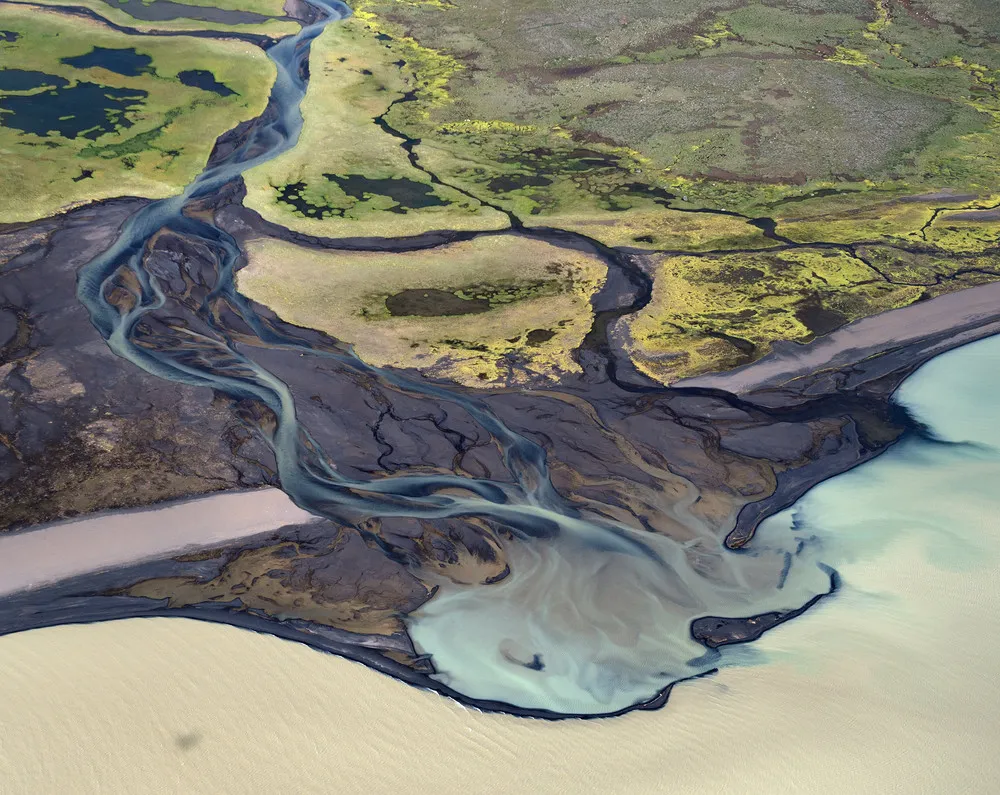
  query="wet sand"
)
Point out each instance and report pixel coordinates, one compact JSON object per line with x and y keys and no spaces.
{"x":888,"y":687}
{"x":107,"y":540}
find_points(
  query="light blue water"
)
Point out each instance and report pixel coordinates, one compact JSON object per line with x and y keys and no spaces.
{"x":609,"y":628}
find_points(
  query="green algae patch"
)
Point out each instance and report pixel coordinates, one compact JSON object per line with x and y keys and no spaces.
{"x":717,"y":312}
{"x":127,"y":127}
{"x":348,"y":175}
{"x":493,"y":311}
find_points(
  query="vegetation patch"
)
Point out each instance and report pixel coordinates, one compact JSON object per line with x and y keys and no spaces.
{"x":733,"y":106}
{"x":713,"y":313}
{"x":92,"y":113}
{"x":486,"y":312}
{"x":349,"y":175}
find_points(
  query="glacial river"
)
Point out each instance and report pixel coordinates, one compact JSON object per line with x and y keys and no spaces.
{"x":594,"y":617}
{"x":888,"y":686}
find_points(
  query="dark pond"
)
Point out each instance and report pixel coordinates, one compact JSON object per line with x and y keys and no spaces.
{"x":24,"y":80}
{"x":292,"y":195}
{"x":166,"y":9}
{"x":205,"y":80}
{"x":818,"y":318}
{"x":433,"y":303}
{"x":125,"y":61}
{"x":86,"y":109}
{"x":539,"y":335}
{"x":407,"y":193}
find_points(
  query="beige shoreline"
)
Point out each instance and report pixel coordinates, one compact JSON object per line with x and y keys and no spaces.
{"x":890,"y":687}
{"x":49,"y":553}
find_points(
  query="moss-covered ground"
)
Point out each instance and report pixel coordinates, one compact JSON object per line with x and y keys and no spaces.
{"x":777,"y":140}
{"x":571,"y":109}
{"x":715,"y":312}
{"x":348,"y":176}
{"x":127,"y":126}
{"x":486,"y":312}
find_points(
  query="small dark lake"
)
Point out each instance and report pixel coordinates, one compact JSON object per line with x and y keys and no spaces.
{"x":407,"y":193}
{"x":205,"y":80}
{"x":87,"y":109}
{"x":433,"y":303}
{"x":125,"y":61}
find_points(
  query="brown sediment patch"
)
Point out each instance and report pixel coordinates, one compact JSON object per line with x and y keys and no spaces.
{"x":337,"y":581}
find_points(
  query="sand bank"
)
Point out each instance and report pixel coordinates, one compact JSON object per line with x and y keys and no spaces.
{"x":53,"y":552}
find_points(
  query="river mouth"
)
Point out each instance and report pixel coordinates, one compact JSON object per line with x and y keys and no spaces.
{"x":559,"y":552}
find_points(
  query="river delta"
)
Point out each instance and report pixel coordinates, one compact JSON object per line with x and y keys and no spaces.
{"x":518,"y":364}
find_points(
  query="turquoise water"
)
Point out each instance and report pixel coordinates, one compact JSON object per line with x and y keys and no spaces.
{"x":609,"y":629}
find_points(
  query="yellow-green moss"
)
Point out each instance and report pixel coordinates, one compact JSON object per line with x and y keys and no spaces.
{"x":660,"y":228}
{"x":536,"y":287}
{"x":964,"y":232}
{"x":173,"y":128}
{"x":714,"y":35}
{"x":753,"y":299}
{"x":850,"y":57}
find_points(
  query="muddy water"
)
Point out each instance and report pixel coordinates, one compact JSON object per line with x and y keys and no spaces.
{"x":890,"y":686}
